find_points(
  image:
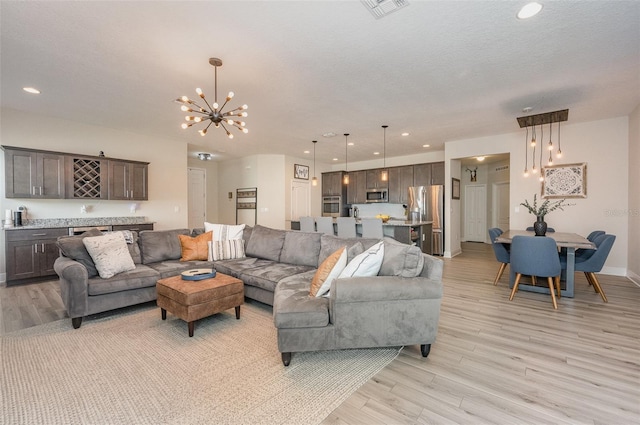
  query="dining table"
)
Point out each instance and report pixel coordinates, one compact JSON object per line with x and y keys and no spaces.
{"x":569,"y":241}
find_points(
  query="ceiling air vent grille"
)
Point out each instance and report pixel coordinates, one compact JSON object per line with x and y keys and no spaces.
{"x":381,"y":8}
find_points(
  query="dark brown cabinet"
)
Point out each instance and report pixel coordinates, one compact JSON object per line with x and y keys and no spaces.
{"x":86,"y":177}
{"x":357,"y":187}
{"x":132,"y":227}
{"x":332,"y":183}
{"x":400,"y":178}
{"x":32,"y":174}
{"x":128,"y":180}
{"x":30,"y":253}
{"x":374,"y":179}
{"x":428,"y":174}
{"x":419,"y":235}
{"x":437,"y":173}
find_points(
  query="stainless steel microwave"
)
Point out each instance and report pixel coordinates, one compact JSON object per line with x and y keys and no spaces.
{"x":331,"y":206}
{"x":377,"y":195}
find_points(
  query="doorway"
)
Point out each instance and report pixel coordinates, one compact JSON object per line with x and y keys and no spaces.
{"x":300,"y":200}
{"x":475,"y":213}
{"x":197,"y":197}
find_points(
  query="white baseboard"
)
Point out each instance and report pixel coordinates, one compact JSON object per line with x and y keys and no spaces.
{"x":634,"y":277}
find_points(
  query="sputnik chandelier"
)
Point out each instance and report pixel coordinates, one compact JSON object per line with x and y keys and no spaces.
{"x":214,"y":114}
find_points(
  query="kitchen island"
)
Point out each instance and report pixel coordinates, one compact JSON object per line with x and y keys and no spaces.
{"x":417,"y":233}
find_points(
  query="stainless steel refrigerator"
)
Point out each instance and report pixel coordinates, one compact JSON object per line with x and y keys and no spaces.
{"x":426,"y":203}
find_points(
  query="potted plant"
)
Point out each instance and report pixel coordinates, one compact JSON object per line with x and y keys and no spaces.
{"x":540,"y":226}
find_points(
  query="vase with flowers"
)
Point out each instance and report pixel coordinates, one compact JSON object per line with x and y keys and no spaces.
{"x":540,"y":226}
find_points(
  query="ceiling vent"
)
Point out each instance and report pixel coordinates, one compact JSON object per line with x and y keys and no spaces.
{"x":381,"y":8}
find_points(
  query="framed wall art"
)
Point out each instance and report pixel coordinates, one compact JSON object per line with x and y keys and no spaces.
{"x":455,"y":188}
{"x":565,"y":181}
{"x":301,"y":171}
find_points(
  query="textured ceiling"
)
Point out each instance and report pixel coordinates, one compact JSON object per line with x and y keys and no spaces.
{"x":438,"y":70}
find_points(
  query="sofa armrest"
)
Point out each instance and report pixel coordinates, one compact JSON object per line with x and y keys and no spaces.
{"x":384,"y":288}
{"x":74,"y":287}
{"x":432,"y":267}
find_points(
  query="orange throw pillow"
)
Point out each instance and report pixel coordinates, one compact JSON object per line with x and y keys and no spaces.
{"x":328,"y":271}
{"x":195,"y":249}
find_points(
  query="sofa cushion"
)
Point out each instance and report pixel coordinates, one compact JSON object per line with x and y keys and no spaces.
{"x":401,"y":259}
{"x":72,"y":247}
{"x":226,"y":250}
{"x":265,"y":243}
{"x":301,"y":248}
{"x":109,"y":253}
{"x":293,"y":308}
{"x":195,"y":248}
{"x":330,"y":244}
{"x":366,"y":264}
{"x":134,"y":248}
{"x":170,"y":268}
{"x":140,"y":277}
{"x":329,"y":270}
{"x":160,"y":245}
{"x":236,"y":267}
{"x":223,"y":232}
{"x":268,"y":276}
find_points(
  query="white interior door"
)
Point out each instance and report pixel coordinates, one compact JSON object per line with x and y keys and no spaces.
{"x":501,"y":199}
{"x":475,"y":213}
{"x":197,"y":197}
{"x":300,"y":200}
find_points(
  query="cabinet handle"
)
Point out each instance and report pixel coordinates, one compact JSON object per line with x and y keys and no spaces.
{"x":33,"y":190}
{"x":42,"y":247}
{"x":40,"y":190}
{"x":35,"y":248}
{"x":38,"y":234}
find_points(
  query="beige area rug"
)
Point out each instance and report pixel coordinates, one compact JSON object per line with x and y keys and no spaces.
{"x":130,"y":367}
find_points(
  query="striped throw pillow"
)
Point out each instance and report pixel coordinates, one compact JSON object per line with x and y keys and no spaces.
{"x":226,"y":250}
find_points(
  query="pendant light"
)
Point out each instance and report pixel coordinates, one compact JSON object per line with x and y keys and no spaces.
{"x":314,"y":180}
{"x":384,"y":174}
{"x":526,"y":155}
{"x":540,"y":120}
{"x":346,"y":161}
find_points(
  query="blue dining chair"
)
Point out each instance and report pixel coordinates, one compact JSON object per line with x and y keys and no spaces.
{"x":595,"y":234}
{"x":586,"y":252}
{"x":594,"y":262}
{"x":536,"y":256}
{"x":500,"y":250}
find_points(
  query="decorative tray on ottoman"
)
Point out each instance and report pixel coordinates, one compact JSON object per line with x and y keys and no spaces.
{"x":198,"y":274}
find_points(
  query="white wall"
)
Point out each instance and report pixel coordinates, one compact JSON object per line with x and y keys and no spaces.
{"x":603,"y":145}
{"x":634,"y":196}
{"x":167,"y":169}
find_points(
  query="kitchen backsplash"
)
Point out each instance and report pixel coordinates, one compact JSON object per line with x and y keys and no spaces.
{"x":371,"y":210}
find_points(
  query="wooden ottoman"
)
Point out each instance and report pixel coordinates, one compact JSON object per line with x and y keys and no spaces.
{"x":192,"y":300}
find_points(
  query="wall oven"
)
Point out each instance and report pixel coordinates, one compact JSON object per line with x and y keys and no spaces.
{"x":331,"y":206}
{"x":377,"y":195}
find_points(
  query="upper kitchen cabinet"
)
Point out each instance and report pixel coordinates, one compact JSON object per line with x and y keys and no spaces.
{"x":332,"y":184}
{"x":374,"y":179}
{"x":400,"y":178}
{"x":86,"y":177}
{"x":357,"y":187}
{"x":128,"y":180}
{"x":437,"y":173}
{"x":428,"y":174}
{"x":33,"y":174}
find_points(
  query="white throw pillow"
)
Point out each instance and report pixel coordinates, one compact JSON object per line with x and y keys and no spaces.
{"x":223,"y":232}
{"x":109,"y":253}
{"x":366,"y":264}
{"x":226,"y":250}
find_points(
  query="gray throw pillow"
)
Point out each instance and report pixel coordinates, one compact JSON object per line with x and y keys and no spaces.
{"x":401,"y":259}
{"x":330,"y":244}
{"x":72,"y":247}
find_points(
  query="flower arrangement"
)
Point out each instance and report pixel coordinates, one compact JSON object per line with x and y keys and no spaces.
{"x":545,"y":208}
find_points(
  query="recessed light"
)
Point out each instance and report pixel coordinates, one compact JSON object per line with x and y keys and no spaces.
{"x":329,"y":134}
{"x":405,"y":134}
{"x":335,"y":159}
{"x":480,"y":158}
{"x":31,"y":90}
{"x":350,"y":143}
{"x":529,"y":10}
{"x":376,"y":153}
{"x":306,"y":152}
{"x":527,"y":109}
{"x":426,"y":146}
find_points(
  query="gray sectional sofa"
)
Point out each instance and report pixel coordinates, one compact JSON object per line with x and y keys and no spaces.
{"x":399,"y":306}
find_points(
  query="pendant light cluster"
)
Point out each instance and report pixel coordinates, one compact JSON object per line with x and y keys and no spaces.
{"x":384,"y":175}
{"x":538,"y":122}
{"x":314,"y":180}
{"x":345,"y":179}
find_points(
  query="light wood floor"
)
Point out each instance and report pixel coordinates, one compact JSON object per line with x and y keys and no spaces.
{"x":494,"y":361}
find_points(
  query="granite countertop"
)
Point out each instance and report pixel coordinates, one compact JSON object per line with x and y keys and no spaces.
{"x":52,"y":223}
{"x":394,"y":222}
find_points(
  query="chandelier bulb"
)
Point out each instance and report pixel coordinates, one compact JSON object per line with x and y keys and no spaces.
{"x":245,"y":106}
{"x":550,"y":145}
{"x":230,"y":95}
{"x":184,"y":125}
{"x":534,"y":170}
{"x":197,"y":119}
{"x":245,"y":130}
{"x":541,"y":178}
{"x":215,"y":105}
{"x":533,"y":142}
{"x":185,"y":108}
{"x":244,"y":114}
{"x":230,"y":122}
{"x":559,"y":154}
{"x":314,"y":181}
{"x":188,"y":118}
{"x":229,"y":134}
{"x":526,"y":173}
{"x":185,"y":99}
{"x":203,"y":132}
